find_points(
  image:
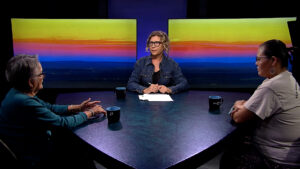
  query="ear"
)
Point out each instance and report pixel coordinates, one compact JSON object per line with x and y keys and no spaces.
{"x":275,"y":60}
{"x":31,"y":83}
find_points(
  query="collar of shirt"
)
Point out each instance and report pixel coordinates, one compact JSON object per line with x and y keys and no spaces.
{"x":149,"y":60}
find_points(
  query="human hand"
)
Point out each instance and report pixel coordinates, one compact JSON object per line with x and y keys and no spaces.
{"x":239,"y":102}
{"x":97,"y":109}
{"x":164,"y":89}
{"x":238,"y":105}
{"x":87,"y":104}
{"x":153,"y":88}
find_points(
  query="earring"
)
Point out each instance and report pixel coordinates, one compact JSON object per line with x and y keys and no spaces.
{"x":272,"y":71}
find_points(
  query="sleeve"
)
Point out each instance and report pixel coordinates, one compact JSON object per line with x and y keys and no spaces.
{"x":47,"y":118}
{"x":263,"y":103}
{"x":180,"y":83}
{"x":57,"y":109}
{"x":134,"y":80}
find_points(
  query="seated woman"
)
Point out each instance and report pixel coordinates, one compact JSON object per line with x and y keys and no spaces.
{"x":157,"y":72}
{"x":26,"y":121}
{"x":275,"y":141}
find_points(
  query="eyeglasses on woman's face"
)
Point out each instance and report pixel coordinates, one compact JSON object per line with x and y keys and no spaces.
{"x":260,"y":58}
{"x":40,"y":75}
{"x":154,"y":43}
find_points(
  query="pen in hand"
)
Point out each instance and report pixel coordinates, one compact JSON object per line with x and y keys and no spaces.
{"x":152,"y":88}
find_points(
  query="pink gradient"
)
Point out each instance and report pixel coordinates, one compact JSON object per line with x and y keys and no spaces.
{"x":53,"y":49}
{"x":204,"y":49}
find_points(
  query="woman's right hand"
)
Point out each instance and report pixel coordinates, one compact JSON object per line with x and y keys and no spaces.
{"x":153,"y":88}
{"x":238,"y":105}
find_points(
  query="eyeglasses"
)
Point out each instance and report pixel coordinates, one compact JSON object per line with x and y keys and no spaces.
{"x":258,"y":58}
{"x":40,"y":75}
{"x":154,"y":43}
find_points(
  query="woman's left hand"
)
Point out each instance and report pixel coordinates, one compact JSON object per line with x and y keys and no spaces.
{"x":164,"y":89}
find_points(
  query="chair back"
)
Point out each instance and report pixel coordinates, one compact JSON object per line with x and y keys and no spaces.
{"x":7,"y":156}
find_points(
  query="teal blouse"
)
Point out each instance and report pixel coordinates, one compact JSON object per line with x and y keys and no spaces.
{"x":25,"y":123}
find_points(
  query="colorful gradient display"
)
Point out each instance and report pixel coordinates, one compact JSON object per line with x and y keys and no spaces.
{"x":223,"y":38}
{"x":76,"y":39}
{"x":216,"y":52}
{"x":79,"y":53}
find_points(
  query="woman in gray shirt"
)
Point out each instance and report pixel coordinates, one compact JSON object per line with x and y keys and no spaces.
{"x":276,"y":103}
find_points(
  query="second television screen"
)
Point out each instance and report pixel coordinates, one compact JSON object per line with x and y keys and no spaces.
{"x":220,"y":53}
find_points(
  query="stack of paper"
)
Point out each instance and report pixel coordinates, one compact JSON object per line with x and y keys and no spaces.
{"x":156,"y":97}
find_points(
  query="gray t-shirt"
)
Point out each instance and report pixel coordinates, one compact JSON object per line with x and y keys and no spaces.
{"x":277,"y":102}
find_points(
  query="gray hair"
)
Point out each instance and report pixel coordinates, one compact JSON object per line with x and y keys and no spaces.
{"x":20,"y":69}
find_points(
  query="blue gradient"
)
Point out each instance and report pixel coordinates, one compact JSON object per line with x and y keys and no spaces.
{"x":87,"y":58}
{"x":209,"y":59}
{"x":80,"y":74}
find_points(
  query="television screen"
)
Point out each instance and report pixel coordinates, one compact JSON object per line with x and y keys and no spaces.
{"x":220,"y":53}
{"x":79,"y":53}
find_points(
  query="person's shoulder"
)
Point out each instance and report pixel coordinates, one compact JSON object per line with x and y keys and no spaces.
{"x":266,"y":85}
{"x":277,"y":83}
{"x":17,"y":98}
{"x":280,"y":80}
{"x":143,"y":59}
{"x":27,"y":100}
{"x":170,"y":60}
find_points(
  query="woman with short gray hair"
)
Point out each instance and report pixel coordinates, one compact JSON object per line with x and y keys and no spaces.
{"x":20,"y":69}
{"x":26,"y":120}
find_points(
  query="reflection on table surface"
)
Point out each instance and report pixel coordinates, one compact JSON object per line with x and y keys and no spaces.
{"x":156,"y":134}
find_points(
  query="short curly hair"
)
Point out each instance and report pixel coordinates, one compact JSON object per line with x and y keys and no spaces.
{"x":164,"y":39}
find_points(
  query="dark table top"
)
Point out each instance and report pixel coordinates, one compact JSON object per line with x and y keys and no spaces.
{"x":156,"y":134}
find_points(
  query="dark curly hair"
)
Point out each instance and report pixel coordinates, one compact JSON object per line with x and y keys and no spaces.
{"x":278,"y":49}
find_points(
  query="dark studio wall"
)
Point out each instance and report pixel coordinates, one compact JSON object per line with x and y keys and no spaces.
{"x":101,"y":9}
{"x":151,"y":15}
{"x":241,"y":9}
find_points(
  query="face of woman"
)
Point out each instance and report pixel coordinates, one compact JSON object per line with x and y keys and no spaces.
{"x":263,"y":64}
{"x":38,"y":78}
{"x":156,"y":46}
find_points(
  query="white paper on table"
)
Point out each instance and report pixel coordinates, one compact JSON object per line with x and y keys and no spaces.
{"x":141,"y":97}
{"x":156,"y":97}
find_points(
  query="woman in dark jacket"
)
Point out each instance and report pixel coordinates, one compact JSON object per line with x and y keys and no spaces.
{"x":157,"y":72}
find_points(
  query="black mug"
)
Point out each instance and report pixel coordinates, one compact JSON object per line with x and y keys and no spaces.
{"x":215,"y":102}
{"x":113,"y":114}
{"x":120,"y":92}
